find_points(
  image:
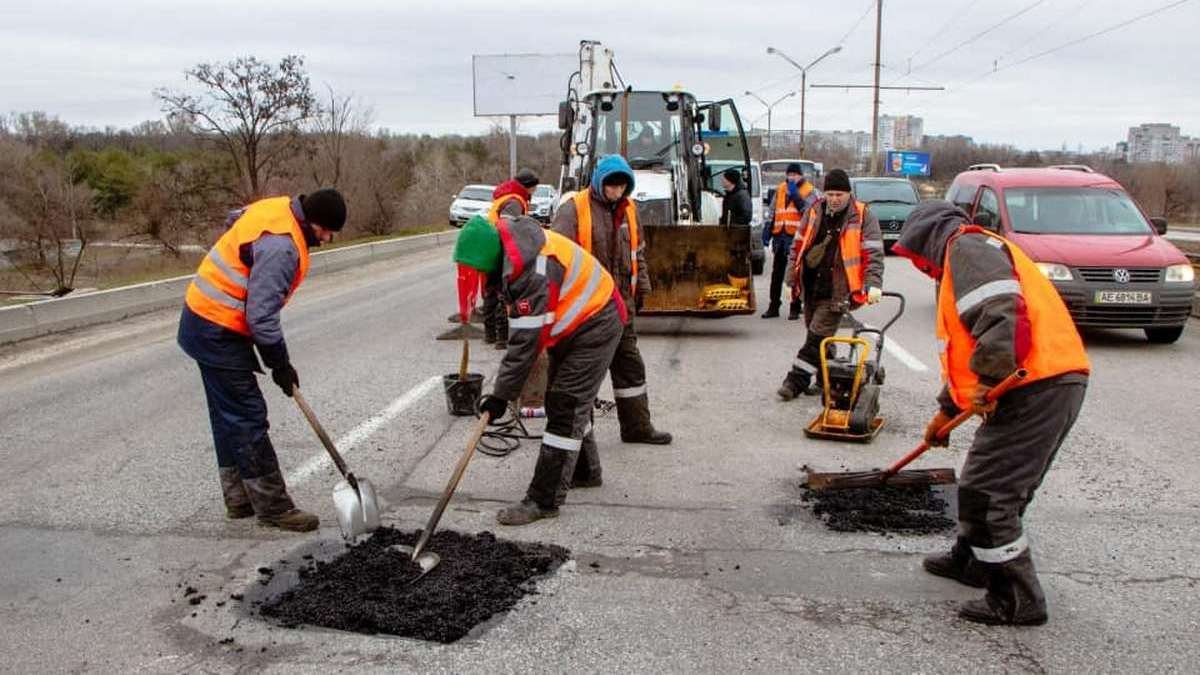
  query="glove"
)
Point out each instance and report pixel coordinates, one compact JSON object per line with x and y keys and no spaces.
{"x":935,"y":425}
{"x":286,"y":378}
{"x":495,"y":406}
{"x":874,"y":295}
{"x":980,"y":405}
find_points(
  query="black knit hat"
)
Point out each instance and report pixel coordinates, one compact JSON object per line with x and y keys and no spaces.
{"x":837,"y":180}
{"x":795,"y":167}
{"x":326,"y":208}
{"x":527,"y":178}
{"x":733,"y":176}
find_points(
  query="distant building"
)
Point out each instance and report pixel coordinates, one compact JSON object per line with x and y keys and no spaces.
{"x":1159,"y":143}
{"x":900,"y":132}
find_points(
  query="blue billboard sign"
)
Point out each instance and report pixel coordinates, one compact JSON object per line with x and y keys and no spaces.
{"x":905,"y":163}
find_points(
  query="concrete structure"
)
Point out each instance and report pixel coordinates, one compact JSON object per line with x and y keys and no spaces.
{"x":1159,"y":142}
{"x":900,"y":132}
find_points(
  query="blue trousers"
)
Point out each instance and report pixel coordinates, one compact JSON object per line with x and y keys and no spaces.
{"x":238,"y":414}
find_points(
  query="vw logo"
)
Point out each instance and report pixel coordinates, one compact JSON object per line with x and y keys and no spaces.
{"x":1121,"y":275}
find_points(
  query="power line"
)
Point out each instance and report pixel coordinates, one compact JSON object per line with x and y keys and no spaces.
{"x":939,"y":31}
{"x":866,"y":12}
{"x":1028,"y":41}
{"x":980,"y":34}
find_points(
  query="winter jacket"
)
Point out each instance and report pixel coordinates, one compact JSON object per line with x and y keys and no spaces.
{"x":737,"y":208}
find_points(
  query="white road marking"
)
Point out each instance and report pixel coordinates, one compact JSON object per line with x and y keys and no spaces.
{"x":892,"y":347}
{"x":364,"y":430}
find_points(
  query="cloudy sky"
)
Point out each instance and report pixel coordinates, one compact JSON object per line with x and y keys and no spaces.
{"x":96,"y":63}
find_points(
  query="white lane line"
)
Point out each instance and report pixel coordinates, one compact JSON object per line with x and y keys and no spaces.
{"x":362,"y":431}
{"x":892,"y":347}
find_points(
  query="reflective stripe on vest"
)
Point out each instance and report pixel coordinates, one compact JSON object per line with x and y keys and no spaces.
{"x":587,"y":287}
{"x":854,"y":251}
{"x":583,"y":231}
{"x":493,"y":213}
{"x":1054,"y":346}
{"x":787,"y":216}
{"x":218,"y":291}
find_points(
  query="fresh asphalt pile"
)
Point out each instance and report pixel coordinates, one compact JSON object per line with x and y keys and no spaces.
{"x":368,"y":588}
{"x":883,"y":509}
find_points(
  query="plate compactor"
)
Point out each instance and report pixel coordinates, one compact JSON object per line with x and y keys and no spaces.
{"x":851,"y":379}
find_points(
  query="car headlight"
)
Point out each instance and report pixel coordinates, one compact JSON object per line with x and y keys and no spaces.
{"x":1055,"y":271}
{"x":1181,"y":273}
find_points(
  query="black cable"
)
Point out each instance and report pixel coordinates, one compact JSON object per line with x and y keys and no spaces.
{"x":503,"y":437}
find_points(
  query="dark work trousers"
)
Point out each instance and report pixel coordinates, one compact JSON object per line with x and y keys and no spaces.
{"x":495,"y":316}
{"x":781,"y":245}
{"x":821,"y":318}
{"x":577,"y":368}
{"x":628,"y":372}
{"x":238,"y":414}
{"x":1008,"y":459}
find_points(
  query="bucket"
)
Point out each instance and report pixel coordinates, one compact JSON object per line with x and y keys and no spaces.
{"x":461,"y":396}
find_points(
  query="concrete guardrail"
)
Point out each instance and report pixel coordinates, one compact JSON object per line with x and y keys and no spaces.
{"x":43,"y":317}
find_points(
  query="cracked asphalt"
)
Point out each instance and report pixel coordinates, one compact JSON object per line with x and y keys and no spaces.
{"x":693,"y":557}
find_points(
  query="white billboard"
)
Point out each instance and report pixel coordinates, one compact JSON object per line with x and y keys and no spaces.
{"x":520,"y":84}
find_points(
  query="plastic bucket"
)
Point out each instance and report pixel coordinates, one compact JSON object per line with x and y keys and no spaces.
{"x":461,"y":396}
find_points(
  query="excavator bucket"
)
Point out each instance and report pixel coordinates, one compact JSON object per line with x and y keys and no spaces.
{"x":698,"y":270}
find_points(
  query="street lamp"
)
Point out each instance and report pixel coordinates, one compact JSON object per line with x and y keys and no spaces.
{"x":769,"y":107}
{"x":803,"y":81}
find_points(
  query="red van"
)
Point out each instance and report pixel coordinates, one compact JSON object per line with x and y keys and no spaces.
{"x":1110,"y":263}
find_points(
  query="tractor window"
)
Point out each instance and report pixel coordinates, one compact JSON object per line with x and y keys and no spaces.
{"x":640,"y":126}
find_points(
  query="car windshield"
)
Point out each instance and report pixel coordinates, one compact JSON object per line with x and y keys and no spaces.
{"x":774,"y":172}
{"x":885,"y":191}
{"x":1073,"y":211}
{"x":476,"y":193}
{"x":543,"y":191}
{"x":717,"y":167}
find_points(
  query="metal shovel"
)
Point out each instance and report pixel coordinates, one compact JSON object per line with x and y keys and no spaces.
{"x":353,"y":498}
{"x":428,"y":559}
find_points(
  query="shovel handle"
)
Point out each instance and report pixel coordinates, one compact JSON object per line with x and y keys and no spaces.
{"x":325,"y":440}
{"x":466,"y":352}
{"x":452,"y":484}
{"x":1006,"y":385}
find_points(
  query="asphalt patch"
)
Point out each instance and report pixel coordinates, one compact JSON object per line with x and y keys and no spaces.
{"x":884,"y":509}
{"x":368,"y":589}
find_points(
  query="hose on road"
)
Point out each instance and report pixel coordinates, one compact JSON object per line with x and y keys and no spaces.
{"x":503,"y":437}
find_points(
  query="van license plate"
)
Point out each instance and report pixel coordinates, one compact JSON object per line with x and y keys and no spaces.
{"x":1124,"y":298}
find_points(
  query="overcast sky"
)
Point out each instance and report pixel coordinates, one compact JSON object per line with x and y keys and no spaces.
{"x":96,"y":63}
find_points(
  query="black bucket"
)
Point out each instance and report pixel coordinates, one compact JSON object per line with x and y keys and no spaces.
{"x":462,"y":395}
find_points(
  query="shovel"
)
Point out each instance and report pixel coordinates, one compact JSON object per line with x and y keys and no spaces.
{"x":428,"y":559}
{"x":353,"y":498}
{"x":893,"y":474}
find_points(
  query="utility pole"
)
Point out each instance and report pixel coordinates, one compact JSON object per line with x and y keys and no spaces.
{"x":512,"y":145}
{"x":875,"y":106}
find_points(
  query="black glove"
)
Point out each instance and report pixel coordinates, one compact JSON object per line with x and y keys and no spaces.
{"x":496,"y":407}
{"x":274,"y":356}
{"x":285,"y":376}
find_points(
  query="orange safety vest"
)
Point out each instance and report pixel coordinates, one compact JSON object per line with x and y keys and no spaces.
{"x":583,"y":231}
{"x":1054,"y":345}
{"x":787,"y":216}
{"x":853,"y":255}
{"x":494,"y":213}
{"x":218,"y":291}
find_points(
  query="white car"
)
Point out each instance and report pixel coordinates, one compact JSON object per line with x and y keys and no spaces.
{"x":471,"y":200}
{"x":542,"y":202}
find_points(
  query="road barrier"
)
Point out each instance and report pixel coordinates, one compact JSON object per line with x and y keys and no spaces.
{"x":43,"y":317}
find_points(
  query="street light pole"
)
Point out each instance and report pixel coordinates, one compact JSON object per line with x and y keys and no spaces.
{"x":770,"y":106}
{"x":803,"y":81}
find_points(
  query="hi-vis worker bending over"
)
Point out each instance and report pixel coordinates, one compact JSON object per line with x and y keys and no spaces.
{"x":603,"y":220}
{"x":836,"y":265}
{"x":997,"y":313}
{"x":232,"y":306}
{"x":793,"y":197}
{"x":509,"y":199}
{"x":560,"y":299}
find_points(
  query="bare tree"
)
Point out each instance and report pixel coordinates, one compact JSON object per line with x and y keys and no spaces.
{"x":334,"y":127}
{"x":254,"y":109}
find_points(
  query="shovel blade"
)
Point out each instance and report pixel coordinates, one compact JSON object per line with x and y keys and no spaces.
{"x":871,"y":479}
{"x":427,"y":560}
{"x":357,"y":510}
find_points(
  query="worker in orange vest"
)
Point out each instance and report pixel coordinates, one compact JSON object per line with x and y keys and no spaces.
{"x":510,"y":198}
{"x":232,"y":306}
{"x":603,"y":220}
{"x":562,"y":300}
{"x":997,"y":313}
{"x":836,"y":265}
{"x":793,"y":197}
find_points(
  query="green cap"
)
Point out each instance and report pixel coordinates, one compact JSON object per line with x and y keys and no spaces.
{"x":478,"y":245}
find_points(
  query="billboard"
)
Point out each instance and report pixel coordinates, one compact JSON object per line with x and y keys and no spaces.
{"x":906,"y":163}
{"x":520,"y":84}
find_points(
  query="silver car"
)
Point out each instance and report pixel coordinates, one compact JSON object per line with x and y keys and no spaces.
{"x":542,"y":202}
{"x":471,"y":200}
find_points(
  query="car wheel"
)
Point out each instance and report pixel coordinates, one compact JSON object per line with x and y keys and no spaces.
{"x":757,"y":264}
{"x":1163,"y":336}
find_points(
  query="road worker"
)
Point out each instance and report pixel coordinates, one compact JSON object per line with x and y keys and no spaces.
{"x":562,"y":300}
{"x":997,"y":313}
{"x":510,"y":198}
{"x":603,"y":220}
{"x":836,"y":265}
{"x":793,"y":197}
{"x":233,"y":306}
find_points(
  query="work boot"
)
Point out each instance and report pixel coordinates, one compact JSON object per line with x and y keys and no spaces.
{"x":525,"y":512}
{"x":1014,"y":596}
{"x":794,"y":310}
{"x":959,"y":564}
{"x":293,"y":520}
{"x":237,"y":502}
{"x":274,"y":506}
{"x":797,"y":382}
{"x":772,"y":311}
{"x":633,"y":413}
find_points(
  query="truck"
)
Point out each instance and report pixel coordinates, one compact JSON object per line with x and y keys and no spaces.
{"x":674,"y":143}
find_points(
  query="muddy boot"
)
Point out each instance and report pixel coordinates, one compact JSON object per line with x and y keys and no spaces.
{"x":523,"y":513}
{"x":794,"y":310}
{"x":772,"y":311}
{"x":546,"y":491}
{"x":587,"y":466}
{"x":274,"y":507}
{"x":958,"y":564}
{"x":797,"y":382}
{"x":237,"y":501}
{"x":633,"y":413}
{"x":1014,"y":596}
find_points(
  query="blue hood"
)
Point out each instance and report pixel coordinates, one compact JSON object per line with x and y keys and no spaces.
{"x":607,"y":166}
